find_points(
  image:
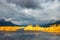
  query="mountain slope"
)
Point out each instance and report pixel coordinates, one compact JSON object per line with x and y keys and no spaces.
{"x":47,"y":25}
{"x":6,"y":23}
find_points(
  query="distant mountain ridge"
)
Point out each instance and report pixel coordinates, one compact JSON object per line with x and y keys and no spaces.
{"x":47,"y":25}
{"x":6,"y":23}
{"x":3,"y":22}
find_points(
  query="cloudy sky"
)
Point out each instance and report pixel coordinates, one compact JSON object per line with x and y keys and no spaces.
{"x":30,"y":11}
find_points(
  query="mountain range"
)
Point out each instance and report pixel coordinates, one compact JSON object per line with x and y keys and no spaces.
{"x":6,"y":23}
{"x":47,"y":25}
{"x":3,"y":22}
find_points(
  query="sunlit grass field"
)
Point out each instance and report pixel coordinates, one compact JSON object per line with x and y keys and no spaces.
{"x":50,"y":29}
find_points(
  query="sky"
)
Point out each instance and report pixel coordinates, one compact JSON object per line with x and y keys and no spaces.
{"x":30,"y":11}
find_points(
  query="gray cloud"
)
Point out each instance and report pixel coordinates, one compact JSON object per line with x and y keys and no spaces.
{"x":27,"y":3}
{"x":25,"y":11}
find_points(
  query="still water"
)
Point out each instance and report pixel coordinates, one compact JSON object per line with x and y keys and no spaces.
{"x":28,"y":36}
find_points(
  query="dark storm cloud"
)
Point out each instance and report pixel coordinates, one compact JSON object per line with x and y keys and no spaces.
{"x":24,"y":11}
{"x":26,"y":3}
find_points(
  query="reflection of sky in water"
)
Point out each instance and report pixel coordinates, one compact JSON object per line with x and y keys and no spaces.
{"x":29,"y":36}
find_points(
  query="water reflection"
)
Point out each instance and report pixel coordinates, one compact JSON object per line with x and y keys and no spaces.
{"x":28,"y":36}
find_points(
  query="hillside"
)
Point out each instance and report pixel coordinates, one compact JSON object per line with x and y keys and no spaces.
{"x":6,"y":23}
